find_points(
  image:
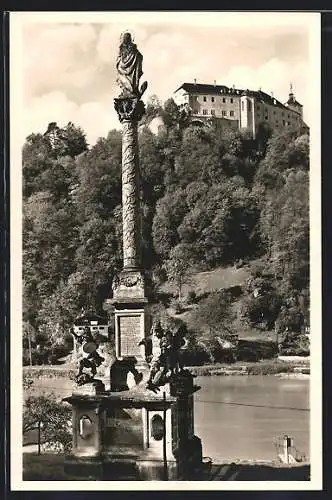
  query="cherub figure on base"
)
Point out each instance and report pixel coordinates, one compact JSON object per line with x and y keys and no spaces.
{"x":166,"y":362}
{"x":90,"y":360}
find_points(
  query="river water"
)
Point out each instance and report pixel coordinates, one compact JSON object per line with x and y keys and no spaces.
{"x":238,"y":417}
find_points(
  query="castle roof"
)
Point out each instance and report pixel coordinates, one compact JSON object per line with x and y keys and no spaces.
{"x":259,"y":95}
{"x":263,"y":97}
{"x":206,"y":88}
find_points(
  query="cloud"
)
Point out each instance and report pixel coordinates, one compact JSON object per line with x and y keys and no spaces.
{"x":53,"y":106}
{"x":96,"y":118}
{"x":273,"y":76}
{"x":57,"y":56}
{"x":103,"y":116}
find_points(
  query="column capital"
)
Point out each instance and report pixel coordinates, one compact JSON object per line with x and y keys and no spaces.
{"x":129,"y":109}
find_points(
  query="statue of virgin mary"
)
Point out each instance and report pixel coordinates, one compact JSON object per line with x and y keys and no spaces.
{"x":129,"y":67}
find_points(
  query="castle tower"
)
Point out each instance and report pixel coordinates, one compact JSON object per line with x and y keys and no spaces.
{"x":247,"y":112}
{"x":292,"y":103}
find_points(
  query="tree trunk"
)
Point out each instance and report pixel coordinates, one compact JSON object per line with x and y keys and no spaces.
{"x":38,"y":438}
{"x":30,"y":350}
{"x":180,"y":289}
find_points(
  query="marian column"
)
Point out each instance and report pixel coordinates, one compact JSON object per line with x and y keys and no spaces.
{"x":134,"y":430}
{"x":128,"y":288}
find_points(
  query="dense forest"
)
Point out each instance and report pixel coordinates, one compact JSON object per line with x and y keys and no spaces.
{"x":211,"y":197}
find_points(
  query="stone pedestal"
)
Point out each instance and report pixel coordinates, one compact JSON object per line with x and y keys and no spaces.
{"x":131,"y":323}
{"x":135,"y":434}
{"x":171,"y":449}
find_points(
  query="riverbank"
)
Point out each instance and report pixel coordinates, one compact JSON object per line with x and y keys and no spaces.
{"x":264,"y":367}
{"x":292,"y":367}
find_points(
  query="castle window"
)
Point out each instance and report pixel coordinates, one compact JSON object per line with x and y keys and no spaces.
{"x":266,"y":117}
{"x":282,"y":114}
{"x":204,"y":98}
{"x":231,"y":100}
{"x":212,"y":99}
{"x":205,"y":111}
{"x":242,"y":105}
{"x":258,"y":115}
{"x":231,"y":113}
{"x":283,"y":122}
{"x":213,"y":112}
{"x":224,"y":113}
{"x":224,"y":99}
{"x":249,"y":105}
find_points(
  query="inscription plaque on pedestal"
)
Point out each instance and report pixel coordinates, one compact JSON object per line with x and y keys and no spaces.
{"x":131,"y":334}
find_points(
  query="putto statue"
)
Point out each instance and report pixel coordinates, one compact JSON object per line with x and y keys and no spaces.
{"x":165,"y":361}
{"x":129,"y":67}
{"x":90,"y":360}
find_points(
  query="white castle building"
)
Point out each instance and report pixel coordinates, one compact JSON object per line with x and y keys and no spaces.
{"x":238,"y":108}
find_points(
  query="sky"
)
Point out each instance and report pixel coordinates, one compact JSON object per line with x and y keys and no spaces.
{"x":66,"y":63}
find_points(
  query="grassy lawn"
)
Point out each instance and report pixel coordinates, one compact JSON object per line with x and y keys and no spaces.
{"x":222,"y":277}
{"x":207,"y":281}
{"x":46,"y":467}
{"x":245,"y":332}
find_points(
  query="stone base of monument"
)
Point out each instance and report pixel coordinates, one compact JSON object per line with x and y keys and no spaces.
{"x":131,"y":323}
{"x":182,"y":463}
{"x":135,"y":434}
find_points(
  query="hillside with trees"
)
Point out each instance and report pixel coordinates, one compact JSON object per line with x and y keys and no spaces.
{"x":211,"y":198}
